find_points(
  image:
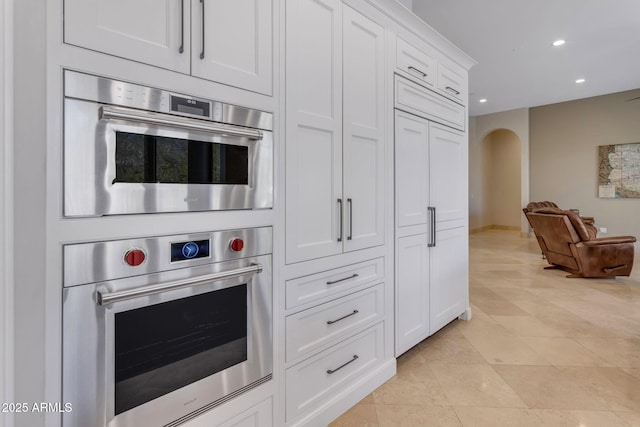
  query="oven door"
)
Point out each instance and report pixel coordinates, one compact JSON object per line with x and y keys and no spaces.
{"x":125,"y":161}
{"x":154,"y":349}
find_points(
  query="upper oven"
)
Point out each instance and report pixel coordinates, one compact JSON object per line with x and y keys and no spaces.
{"x":132,"y":149}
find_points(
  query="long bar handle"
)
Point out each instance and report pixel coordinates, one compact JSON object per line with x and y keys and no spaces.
{"x":350,"y":202}
{"x":432,"y":226}
{"x":450,"y":89}
{"x":119,"y":113}
{"x":333,"y":282}
{"x":202,"y":51}
{"x":181,"y":49}
{"x":353,"y":313}
{"x":340,"y":212}
{"x":333,"y":371}
{"x":417,"y":70}
{"x":106,"y":298}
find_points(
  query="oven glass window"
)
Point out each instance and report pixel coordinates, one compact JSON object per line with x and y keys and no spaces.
{"x":157,"y":159}
{"x":164,"y":347}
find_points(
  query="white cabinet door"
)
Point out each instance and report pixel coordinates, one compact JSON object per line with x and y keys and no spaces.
{"x":449,"y":276}
{"x":412,"y":292}
{"x":448,"y":176}
{"x":314,"y":205}
{"x":363,"y":133}
{"x":154,"y":32}
{"x":412,"y":169}
{"x":235,"y":45}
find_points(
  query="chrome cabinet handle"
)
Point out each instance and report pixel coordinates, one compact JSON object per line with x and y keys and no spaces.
{"x":202,"y":51}
{"x":450,"y":89}
{"x":331,"y":322}
{"x":340,"y":219}
{"x":127,"y":114}
{"x":181,"y":49}
{"x":353,"y":276}
{"x":350,"y":202}
{"x":106,"y":298}
{"x":417,"y":71}
{"x":333,"y":371}
{"x":432,"y":226}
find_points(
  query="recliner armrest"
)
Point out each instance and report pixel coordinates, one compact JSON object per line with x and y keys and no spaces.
{"x":609,"y":240}
{"x":589,"y":220}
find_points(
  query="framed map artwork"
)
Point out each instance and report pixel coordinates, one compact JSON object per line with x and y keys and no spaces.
{"x":619,"y":171}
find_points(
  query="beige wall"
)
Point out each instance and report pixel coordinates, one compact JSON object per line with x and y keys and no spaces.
{"x":480,"y":160}
{"x":503,"y":151}
{"x":564,"y":141}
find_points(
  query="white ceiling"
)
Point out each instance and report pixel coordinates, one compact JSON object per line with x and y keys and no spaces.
{"x":517,"y":65}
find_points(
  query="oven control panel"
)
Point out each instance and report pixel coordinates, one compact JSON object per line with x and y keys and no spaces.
{"x":108,"y":260}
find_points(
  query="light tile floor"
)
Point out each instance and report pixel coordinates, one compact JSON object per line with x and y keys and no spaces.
{"x":541,"y":350}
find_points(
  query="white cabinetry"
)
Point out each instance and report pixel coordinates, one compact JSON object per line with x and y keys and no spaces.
{"x":228,"y":41}
{"x":335,"y":130}
{"x":431,"y":228}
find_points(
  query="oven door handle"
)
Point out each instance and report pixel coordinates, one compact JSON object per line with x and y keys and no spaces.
{"x":150,"y":118}
{"x":106,"y":298}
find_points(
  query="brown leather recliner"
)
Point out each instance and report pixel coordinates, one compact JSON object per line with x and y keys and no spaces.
{"x":589,"y":221}
{"x":567,"y":244}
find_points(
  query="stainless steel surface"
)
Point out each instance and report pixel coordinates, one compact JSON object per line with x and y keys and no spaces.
{"x":114,"y":92}
{"x":89,"y":342}
{"x":450,"y":89}
{"x":333,"y":282}
{"x":333,"y":371}
{"x":89,"y":151}
{"x":417,"y":70}
{"x":350,"y":202}
{"x":151,"y":118}
{"x":340,"y":229}
{"x":432,"y":227}
{"x":107,"y":298}
{"x":353,"y":313}
{"x":203,"y":25}
{"x":181,"y":48}
{"x":101,"y":261}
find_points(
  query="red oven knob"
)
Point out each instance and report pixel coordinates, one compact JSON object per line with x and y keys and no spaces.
{"x":237,"y":245}
{"x":134,"y":257}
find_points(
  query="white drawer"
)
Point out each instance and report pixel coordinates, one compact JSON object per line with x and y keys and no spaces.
{"x":320,"y":378}
{"x":316,"y":327}
{"x":321,"y":287}
{"x":415,"y":99}
{"x":418,"y":64}
{"x":453,"y":84}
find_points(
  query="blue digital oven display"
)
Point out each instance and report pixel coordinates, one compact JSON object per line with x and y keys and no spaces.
{"x":183,"y":251}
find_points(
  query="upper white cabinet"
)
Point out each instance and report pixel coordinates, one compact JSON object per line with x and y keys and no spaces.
{"x":421,"y":66}
{"x":335,"y":130}
{"x":227,"y":41}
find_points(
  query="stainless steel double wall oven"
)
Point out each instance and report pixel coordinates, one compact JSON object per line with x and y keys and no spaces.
{"x":159,"y":330}
{"x":133,"y":149}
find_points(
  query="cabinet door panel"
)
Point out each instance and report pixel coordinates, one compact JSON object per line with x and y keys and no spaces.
{"x":448,"y":174}
{"x":412,"y":292}
{"x":313,"y":130}
{"x":449,"y":277}
{"x":238,"y":47}
{"x":412,"y":169}
{"x":363,"y":134}
{"x":148,"y":31}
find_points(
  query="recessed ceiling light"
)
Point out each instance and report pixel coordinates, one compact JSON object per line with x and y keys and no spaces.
{"x":483,"y":100}
{"x":580,"y":81}
{"x":559,"y":42}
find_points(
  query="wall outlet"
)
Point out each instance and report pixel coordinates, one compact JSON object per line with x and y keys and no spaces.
{"x":603,"y":229}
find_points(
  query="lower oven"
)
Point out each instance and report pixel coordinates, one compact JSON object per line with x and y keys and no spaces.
{"x":158,"y":330}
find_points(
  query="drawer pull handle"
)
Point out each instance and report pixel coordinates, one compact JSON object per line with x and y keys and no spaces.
{"x":333,"y":371}
{"x":331,"y":322}
{"x":342,"y":280}
{"x":417,"y":71}
{"x":450,"y":89}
